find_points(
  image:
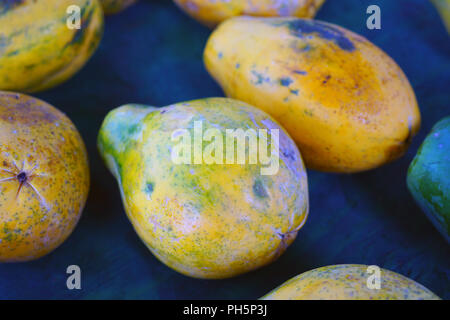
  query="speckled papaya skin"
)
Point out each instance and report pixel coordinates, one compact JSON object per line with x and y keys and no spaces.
{"x":429,"y":177}
{"x":115,"y":6}
{"x":213,"y":12}
{"x":37,"y":49}
{"x":44,"y":177}
{"x":349,"y":282}
{"x":348,"y":105}
{"x":204,"y":221}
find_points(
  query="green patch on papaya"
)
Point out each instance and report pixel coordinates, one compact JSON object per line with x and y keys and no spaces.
{"x":259,"y":190}
{"x":428,"y":177}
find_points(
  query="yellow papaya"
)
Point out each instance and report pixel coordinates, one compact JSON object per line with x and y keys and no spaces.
{"x":350,"y":282}
{"x":44,"y":177}
{"x":115,"y":6}
{"x":206,"y":219}
{"x":212,"y":12}
{"x":345,"y":102}
{"x":38,"y":50}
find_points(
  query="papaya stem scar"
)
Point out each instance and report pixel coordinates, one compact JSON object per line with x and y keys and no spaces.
{"x":24,"y":178}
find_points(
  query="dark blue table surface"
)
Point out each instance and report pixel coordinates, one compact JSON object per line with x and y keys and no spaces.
{"x":152,"y":54}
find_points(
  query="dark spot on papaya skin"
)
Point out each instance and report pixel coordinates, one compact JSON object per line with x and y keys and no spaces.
{"x":286,"y":82}
{"x":6,"y":5}
{"x":300,"y":28}
{"x":309,"y":113}
{"x":259,"y":190}
{"x":303,"y":73}
{"x":12,"y":53}
{"x":328,"y":77}
{"x":294,"y":92}
{"x":149,"y":188}
{"x":260,"y":79}
{"x":164,"y":111}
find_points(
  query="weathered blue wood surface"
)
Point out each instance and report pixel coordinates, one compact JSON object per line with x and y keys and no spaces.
{"x":152,"y":54}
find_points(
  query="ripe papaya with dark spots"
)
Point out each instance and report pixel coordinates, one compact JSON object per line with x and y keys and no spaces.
{"x":345,"y":102}
{"x":44,"y":177}
{"x":38,"y":49}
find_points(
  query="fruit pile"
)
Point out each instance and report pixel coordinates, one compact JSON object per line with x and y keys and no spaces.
{"x":309,"y":93}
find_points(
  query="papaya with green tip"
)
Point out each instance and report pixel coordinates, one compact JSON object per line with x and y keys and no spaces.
{"x":350,"y":282}
{"x":428,"y":177}
{"x":38,"y":49}
{"x":206,"y":219}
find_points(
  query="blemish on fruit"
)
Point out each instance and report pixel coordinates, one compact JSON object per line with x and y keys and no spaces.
{"x":259,"y":190}
{"x":149,"y":188}
{"x":300,"y":28}
{"x":286,"y":82}
{"x":327,"y":78}
{"x":303,"y":73}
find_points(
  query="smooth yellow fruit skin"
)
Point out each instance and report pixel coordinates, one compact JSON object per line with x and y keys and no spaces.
{"x":348,"y":106}
{"x":115,"y":6}
{"x":40,"y":141}
{"x":212,"y":12}
{"x":349,"y":282}
{"x":204,"y":221}
{"x":38,"y":50}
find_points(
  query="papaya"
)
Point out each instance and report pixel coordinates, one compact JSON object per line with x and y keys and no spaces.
{"x":346,"y":103}
{"x":197,"y":207}
{"x":443,"y":7}
{"x":115,"y":6}
{"x":349,"y":282}
{"x":212,"y":12}
{"x":44,"y":177}
{"x":38,"y":50}
{"x":428,"y":177}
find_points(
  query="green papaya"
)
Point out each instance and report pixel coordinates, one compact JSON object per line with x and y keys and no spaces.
{"x":429,"y":177}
